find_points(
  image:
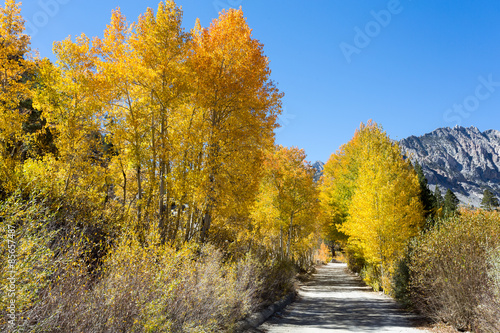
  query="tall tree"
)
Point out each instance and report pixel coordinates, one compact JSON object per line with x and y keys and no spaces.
{"x":124,"y":103}
{"x":15,"y":70}
{"x":450,"y":204}
{"x":287,"y":203}
{"x":489,"y":201}
{"x":70,"y":104}
{"x":239,"y":104}
{"x":161,"y":46}
{"x":425,"y":193}
{"x":337,"y":187}
{"x":385,"y":211}
{"x":438,"y":198}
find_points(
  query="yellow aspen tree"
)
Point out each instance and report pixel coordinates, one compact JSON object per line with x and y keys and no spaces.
{"x":337,"y":187}
{"x":126,"y":104}
{"x":385,"y":211}
{"x":239,"y":104}
{"x":288,"y":199}
{"x":161,"y":47}
{"x":67,"y":97}
{"x":15,"y":68}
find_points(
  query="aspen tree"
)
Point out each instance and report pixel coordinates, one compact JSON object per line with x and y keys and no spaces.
{"x":15,"y":67}
{"x":239,"y":104}
{"x":385,"y":211}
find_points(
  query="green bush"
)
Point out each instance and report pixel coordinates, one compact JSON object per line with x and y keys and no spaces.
{"x":401,"y":281}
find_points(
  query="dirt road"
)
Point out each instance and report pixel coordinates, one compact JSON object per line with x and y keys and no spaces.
{"x":335,"y":300}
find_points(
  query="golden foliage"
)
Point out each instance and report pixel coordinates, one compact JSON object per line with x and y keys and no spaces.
{"x":286,"y":209}
{"x":371,"y":195}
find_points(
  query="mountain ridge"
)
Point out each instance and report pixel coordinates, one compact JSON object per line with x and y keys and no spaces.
{"x":464,"y":160}
{"x":319,"y":166}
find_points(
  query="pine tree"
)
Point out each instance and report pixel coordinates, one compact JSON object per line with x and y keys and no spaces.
{"x":425,"y":193}
{"x":438,"y":198}
{"x":450,"y":203}
{"x":438,"y":203}
{"x":490,"y":201}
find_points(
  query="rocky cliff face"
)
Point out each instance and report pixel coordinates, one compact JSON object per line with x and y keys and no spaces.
{"x":465,"y":160}
{"x":319,"y":166}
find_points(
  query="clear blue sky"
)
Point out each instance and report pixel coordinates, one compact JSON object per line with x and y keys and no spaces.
{"x":412,"y":66}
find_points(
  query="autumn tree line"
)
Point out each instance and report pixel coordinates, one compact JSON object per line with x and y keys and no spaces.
{"x":140,"y":185}
{"x":172,"y":131}
{"x":141,"y":188}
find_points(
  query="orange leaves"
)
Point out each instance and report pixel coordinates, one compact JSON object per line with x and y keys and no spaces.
{"x":188,"y":115}
{"x":230,"y":63}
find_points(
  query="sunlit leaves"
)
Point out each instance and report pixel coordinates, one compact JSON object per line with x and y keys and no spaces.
{"x":384,"y":210}
{"x":287,"y":206}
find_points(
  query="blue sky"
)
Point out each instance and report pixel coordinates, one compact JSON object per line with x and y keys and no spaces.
{"x":410,"y":65}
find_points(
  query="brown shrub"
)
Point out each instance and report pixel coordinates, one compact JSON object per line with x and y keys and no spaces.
{"x":449,"y":268}
{"x":488,"y":311}
{"x":152,"y":288}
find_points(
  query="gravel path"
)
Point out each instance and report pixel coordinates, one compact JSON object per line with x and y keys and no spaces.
{"x":335,"y":300}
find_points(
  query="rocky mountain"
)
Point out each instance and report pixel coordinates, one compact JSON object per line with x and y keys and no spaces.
{"x":319,"y":166}
{"x":465,"y":160}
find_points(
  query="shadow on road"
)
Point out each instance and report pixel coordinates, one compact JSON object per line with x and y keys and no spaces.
{"x":336,"y":300}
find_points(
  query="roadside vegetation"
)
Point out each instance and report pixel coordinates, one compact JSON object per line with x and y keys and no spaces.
{"x":453,"y":273}
{"x":415,"y":245}
{"x":140,"y":186}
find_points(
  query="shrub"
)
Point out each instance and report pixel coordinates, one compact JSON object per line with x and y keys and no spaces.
{"x":488,"y":311}
{"x":372,"y":276}
{"x":73,"y":274}
{"x":449,"y":267}
{"x":26,"y":260}
{"x":145,"y":287}
{"x":355,"y":262}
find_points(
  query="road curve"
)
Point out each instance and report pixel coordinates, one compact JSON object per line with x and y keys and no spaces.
{"x":336,"y":300}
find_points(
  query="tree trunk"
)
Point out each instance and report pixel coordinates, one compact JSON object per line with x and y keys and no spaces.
{"x":139,"y":193}
{"x":124,"y":188}
{"x":189,"y":224}
{"x":163,"y":213}
{"x":207,"y":220}
{"x":177,"y":223}
{"x":161,"y":204}
{"x":289,"y":242}
{"x":281,"y":243}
